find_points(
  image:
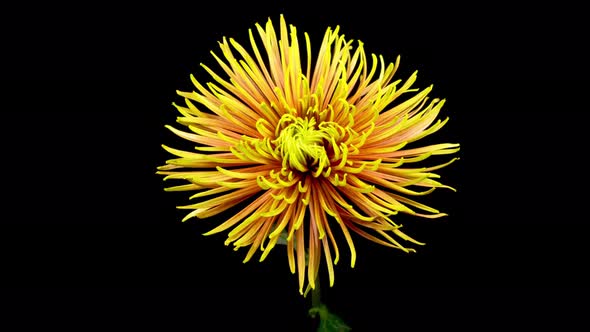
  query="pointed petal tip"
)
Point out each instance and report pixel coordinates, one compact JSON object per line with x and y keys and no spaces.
{"x":453,"y":189}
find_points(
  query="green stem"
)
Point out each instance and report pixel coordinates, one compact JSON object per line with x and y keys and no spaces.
{"x":328,"y":321}
{"x":315,"y":294}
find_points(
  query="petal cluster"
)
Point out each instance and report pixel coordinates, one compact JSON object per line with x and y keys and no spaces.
{"x":307,"y":146}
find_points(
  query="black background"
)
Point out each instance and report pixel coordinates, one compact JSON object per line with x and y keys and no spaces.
{"x":90,"y":240}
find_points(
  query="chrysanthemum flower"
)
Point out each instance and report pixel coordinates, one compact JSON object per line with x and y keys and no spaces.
{"x":307,"y":147}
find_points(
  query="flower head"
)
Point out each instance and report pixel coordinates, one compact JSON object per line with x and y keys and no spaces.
{"x":306,"y":147}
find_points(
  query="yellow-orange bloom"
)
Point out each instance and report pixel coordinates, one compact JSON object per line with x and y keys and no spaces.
{"x":306,"y":146}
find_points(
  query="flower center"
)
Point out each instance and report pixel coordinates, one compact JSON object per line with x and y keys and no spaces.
{"x":301,"y":144}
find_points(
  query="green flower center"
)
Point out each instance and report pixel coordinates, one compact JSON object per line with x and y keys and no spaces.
{"x":301,"y":144}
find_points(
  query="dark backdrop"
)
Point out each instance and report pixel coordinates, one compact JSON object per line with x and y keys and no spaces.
{"x":89,"y":238}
